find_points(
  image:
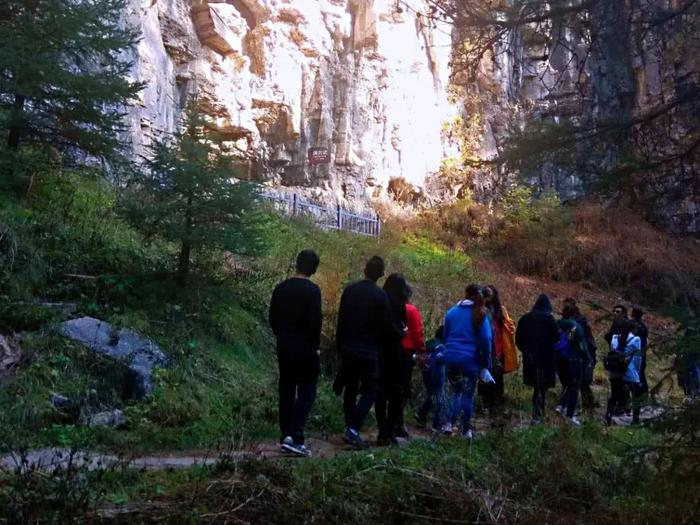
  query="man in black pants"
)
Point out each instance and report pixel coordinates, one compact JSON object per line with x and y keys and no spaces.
{"x":364,"y":322}
{"x":295,"y":317}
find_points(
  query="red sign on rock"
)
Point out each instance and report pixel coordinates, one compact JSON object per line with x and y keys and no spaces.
{"x":319,"y":156}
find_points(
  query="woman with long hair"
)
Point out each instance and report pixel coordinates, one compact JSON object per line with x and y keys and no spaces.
{"x":389,"y":404}
{"x":504,"y":357}
{"x":468,"y":341}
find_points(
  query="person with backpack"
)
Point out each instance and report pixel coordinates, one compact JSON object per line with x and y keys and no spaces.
{"x":389,"y":404}
{"x":642,"y":331}
{"x":535,"y":336}
{"x":295,"y":318}
{"x":365,"y":324}
{"x":588,"y":400}
{"x":623,"y":363}
{"x":504,"y":357}
{"x":432,"y":364}
{"x":572,"y":360}
{"x":468,"y":341}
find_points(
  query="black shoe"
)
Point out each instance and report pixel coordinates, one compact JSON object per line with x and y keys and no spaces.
{"x":383,"y":440}
{"x":401,"y":432}
{"x":352,"y":437}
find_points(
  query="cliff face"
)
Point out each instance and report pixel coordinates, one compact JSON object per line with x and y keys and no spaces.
{"x":365,"y":80}
{"x":631,"y":67}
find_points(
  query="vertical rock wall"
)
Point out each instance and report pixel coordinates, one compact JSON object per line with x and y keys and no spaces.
{"x":365,"y":79}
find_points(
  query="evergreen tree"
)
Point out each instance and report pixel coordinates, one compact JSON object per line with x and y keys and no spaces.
{"x":187,"y":194}
{"x":63,"y":74}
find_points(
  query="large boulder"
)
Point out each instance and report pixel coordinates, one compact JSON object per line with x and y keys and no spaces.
{"x":10,"y":355}
{"x":139,"y":353}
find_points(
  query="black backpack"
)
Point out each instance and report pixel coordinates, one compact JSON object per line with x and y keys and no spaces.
{"x":615,"y":362}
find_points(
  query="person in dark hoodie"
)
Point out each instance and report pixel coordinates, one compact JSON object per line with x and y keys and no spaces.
{"x":536,"y":335}
{"x":389,"y":404}
{"x":295,"y":318}
{"x":365,"y":323}
{"x":433,"y":369}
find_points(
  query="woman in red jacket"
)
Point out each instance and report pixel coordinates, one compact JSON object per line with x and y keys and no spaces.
{"x":413,"y":344}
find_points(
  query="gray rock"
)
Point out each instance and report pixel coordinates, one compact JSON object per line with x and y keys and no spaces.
{"x":140,"y":354}
{"x":10,"y":356}
{"x":110,"y":418}
{"x":60,"y":401}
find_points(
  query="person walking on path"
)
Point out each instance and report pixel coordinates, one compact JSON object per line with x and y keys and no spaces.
{"x":535,"y":337}
{"x":432,"y":364}
{"x":468,"y":341}
{"x":504,"y":357}
{"x":413,"y":344}
{"x":623,"y":364}
{"x":587,"y":397}
{"x":572,"y":360}
{"x":642,"y":331}
{"x":389,"y":404}
{"x":295,"y":318}
{"x":365,"y":323}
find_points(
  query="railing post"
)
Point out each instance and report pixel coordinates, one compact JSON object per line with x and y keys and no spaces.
{"x":379,"y":226}
{"x":339,"y":217}
{"x":294,"y":205}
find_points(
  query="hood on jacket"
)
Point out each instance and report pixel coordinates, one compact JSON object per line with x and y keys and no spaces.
{"x":465,"y":303}
{"x":543,"y":304}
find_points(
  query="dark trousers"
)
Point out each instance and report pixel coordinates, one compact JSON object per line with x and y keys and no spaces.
{"x":297,"y":393}
{"x":570,"y":374}
{"x":434,"y":381}
{"x":360,"y":376}
{"x":619,"y":396}
{"x":391,"y":394}
{"x":492,"y":395}
{"x":539,"y":393}
{"x":587,"y":397}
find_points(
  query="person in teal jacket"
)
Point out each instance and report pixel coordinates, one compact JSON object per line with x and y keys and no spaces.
{"x":468,"y":338}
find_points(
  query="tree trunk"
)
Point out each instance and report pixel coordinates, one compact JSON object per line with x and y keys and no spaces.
{"x":16,"y":123}
{"x":184,"y":264}
{"x":186,"y":246}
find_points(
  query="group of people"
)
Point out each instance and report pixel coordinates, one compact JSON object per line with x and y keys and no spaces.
{"x":379,"y":340}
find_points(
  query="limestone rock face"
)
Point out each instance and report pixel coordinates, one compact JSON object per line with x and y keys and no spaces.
{"x":140,"y":354}
{"x":366,"y":79}
{"x":625,"y":75}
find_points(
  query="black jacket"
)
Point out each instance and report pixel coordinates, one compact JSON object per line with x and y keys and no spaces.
{"x":365,"y":321}
{"x":295,"y":316}
{"x":535,"y":336}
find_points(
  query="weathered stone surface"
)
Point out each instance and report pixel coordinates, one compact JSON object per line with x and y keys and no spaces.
{"x":140,"y":354}
{"x":10,"y":355}
{"x":108,"y":418}
{"x":358,"y":77}
{"x":60,"y":401}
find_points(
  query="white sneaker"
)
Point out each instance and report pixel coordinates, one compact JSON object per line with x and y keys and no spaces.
{"x":287,"y":444}
{"x":574,"y":421}
{"x":469,"y":434}
{"x":447,"y":429}
{"x":559,"y":410}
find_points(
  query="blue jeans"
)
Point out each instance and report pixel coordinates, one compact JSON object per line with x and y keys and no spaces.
{"x":463,"y":382}
{"x":434,"y":381}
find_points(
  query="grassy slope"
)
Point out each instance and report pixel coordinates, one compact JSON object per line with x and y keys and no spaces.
{"x":221,"y":388}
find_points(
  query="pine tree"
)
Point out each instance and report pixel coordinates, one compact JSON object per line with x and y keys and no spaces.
{"x":64,"y":74}
{"x":188,"y":194}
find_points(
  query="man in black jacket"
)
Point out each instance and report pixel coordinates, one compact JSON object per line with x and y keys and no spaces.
{"x":536,"y":335}
{"x":295,"y":317}
{"x":364,"y":322}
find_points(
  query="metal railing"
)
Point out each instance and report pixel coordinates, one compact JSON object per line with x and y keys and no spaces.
{"x":331,"y":218}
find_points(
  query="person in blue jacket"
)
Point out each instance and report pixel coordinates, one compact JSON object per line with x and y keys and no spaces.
{"x":468,"y":337}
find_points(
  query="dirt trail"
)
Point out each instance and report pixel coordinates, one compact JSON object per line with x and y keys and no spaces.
{"x":52,"y":459}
